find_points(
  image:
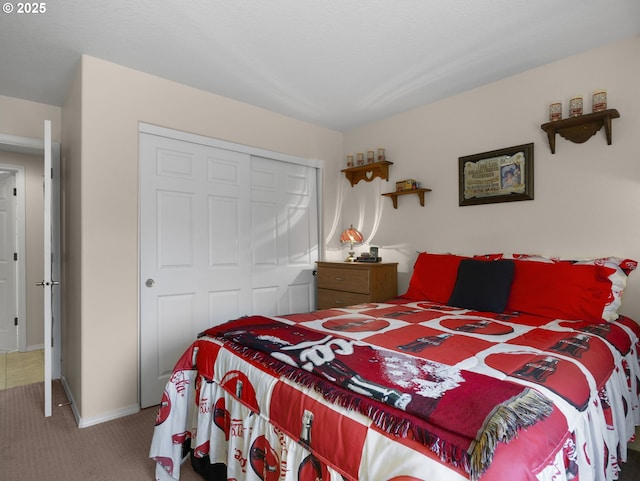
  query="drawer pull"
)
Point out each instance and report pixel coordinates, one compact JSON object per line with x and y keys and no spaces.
{"x":339,"y":302}
{"x":338,"y":278}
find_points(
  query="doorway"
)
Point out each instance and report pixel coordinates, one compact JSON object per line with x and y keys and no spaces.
{"x":21,"y":239}
{"x":25,"y":157}
{"x":15,"y":169}
{"x":9,"y":279}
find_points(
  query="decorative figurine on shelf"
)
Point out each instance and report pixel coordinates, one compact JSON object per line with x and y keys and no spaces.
{"x":370,"y":157}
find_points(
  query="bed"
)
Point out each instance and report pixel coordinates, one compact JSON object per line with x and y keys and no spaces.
{"x":493,"y":368}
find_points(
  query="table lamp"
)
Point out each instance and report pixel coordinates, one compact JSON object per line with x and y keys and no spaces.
{"x":352,"y":237}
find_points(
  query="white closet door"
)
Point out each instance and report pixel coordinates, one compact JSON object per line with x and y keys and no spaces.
{"x":193,"y":256}
{"x":284,"y":226}
{"x":214,"y":245}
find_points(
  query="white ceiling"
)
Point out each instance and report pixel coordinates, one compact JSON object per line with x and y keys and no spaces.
{"x":335,"y":63}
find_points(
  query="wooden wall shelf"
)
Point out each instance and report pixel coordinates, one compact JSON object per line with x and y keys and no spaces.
{"x":368,"y":172}
{"x":580,"y":129}
{"x":418,"y":192}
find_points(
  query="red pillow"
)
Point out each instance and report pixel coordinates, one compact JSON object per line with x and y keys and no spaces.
{"x":561,"y":290}
{"x":433,"y":278}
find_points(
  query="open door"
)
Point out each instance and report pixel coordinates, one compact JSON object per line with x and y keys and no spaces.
{"x":50,"y":282}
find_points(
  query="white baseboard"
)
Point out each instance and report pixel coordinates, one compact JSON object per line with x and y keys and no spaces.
{"x":84,"y":422}
{"x":67,"y":391}
{"x":119,"y":413}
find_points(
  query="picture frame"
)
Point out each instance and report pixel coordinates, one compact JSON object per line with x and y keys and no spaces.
{"x":502,"y":175}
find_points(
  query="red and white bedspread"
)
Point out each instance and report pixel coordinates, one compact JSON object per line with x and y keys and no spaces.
{"x":403,"y":391}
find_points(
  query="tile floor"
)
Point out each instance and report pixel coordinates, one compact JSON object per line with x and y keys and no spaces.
{"x":636,"y":444}
{"x":19,"y":368}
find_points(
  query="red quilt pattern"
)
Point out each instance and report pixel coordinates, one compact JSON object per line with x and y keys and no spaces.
{"x":283,"y":427}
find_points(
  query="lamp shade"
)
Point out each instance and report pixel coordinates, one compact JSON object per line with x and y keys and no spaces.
{"x":351,"y":236}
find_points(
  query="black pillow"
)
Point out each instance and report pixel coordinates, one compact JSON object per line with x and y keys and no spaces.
{"x":483,"y":285}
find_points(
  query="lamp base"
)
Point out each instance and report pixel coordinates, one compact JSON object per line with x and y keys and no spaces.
{"x":351,"y":257}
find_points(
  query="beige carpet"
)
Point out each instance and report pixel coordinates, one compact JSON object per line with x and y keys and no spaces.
{"x":35,"y":448}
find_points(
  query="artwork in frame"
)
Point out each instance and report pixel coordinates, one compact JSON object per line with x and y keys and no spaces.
{"x":502,"y":175}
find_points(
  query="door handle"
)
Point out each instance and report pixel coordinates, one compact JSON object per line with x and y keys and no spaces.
{"x":149,"y":282}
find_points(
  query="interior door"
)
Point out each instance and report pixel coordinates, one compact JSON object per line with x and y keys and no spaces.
{"x":8,"y":265}
{"x":48,"y":276}
{"x":50,"y":283}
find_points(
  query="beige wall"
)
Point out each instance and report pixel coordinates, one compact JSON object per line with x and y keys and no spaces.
{"x":22,"y":118}
{"x":587,"y":196}
{"x":106,"y":104}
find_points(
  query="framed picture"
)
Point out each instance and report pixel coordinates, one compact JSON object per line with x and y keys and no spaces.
{"x":503,"y":175}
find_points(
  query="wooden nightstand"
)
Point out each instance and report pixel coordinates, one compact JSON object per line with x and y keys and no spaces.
{"x":342,"y":284}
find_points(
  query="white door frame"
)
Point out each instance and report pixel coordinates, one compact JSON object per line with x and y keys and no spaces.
{"x":29,"y":146}
{"x":21,"y":276}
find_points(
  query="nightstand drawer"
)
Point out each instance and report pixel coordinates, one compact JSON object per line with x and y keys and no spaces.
{"x":344,"y":279}
{"x":328,"y":298}
{"x":342,"y":284}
